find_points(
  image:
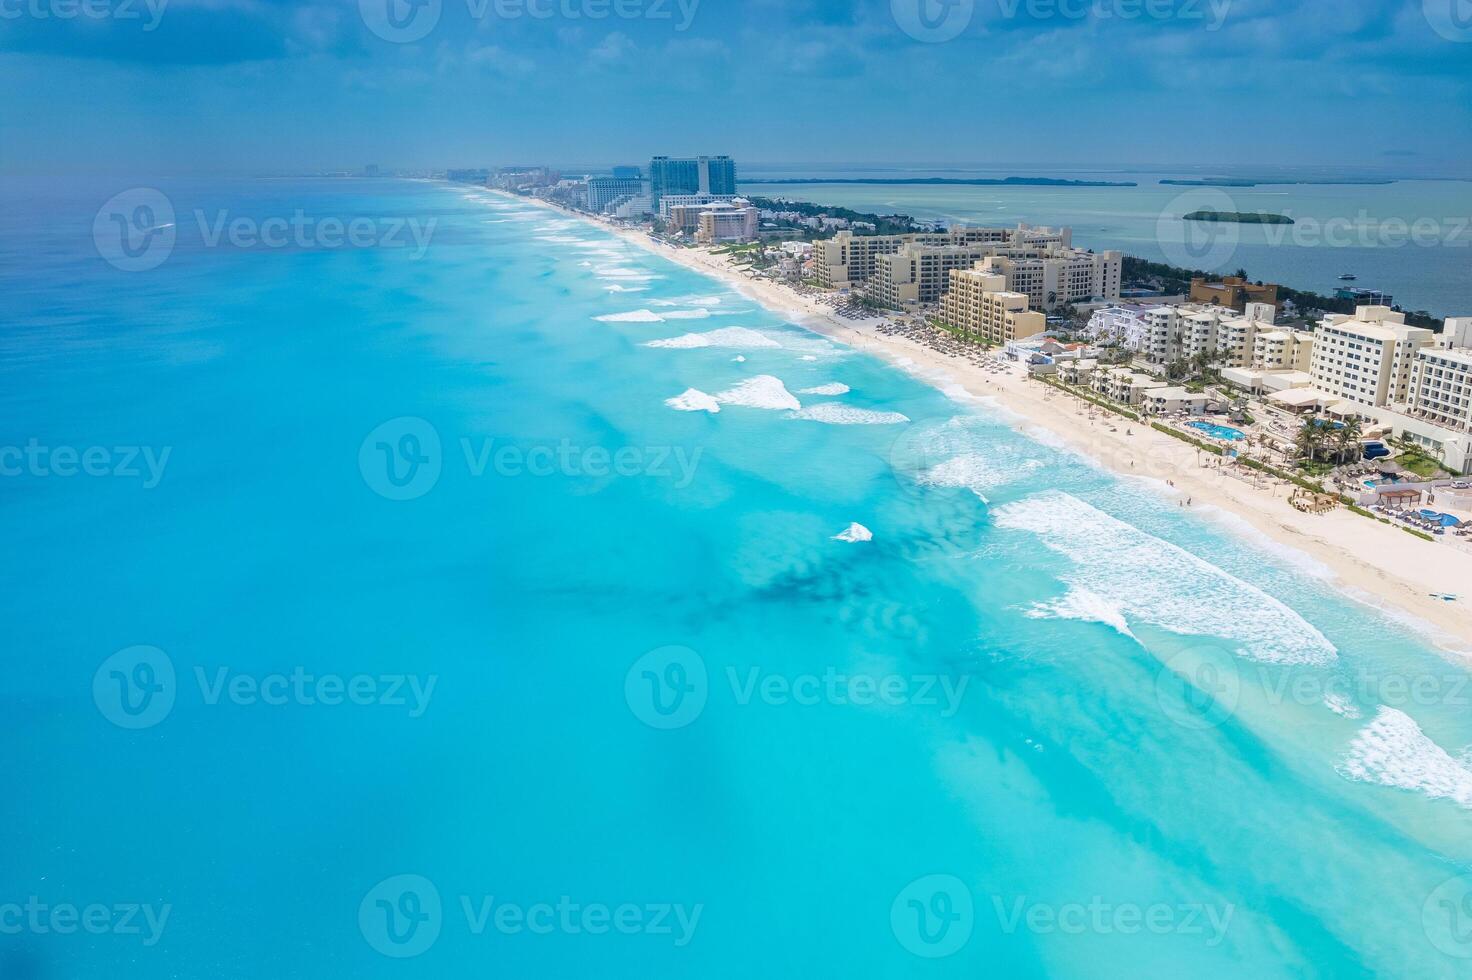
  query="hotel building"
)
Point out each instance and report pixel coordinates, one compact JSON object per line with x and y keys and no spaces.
{"x":1367,"y":358}
{"x":691,"y":175}
{"x":1166,"y":334}
{"x":603,"y":192}
{"x":920,"y":273}
{"x":726,"y":223}
{"x":1058,"y":276}
{"x":847,"y":260}
{"x":979,"y":303}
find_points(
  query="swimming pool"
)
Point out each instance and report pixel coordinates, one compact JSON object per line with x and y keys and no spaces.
{"x":1224,"y":432}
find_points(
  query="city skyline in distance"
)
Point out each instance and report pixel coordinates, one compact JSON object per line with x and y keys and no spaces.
{"x":185,"y":87}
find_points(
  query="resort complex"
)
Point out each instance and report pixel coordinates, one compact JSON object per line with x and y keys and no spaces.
{"x":1368,"y":409}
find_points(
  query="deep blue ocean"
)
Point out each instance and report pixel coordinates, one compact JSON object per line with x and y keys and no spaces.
{"x":380,"y":603}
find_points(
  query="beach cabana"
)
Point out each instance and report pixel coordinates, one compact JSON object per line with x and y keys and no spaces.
{"x":1401,"y":498}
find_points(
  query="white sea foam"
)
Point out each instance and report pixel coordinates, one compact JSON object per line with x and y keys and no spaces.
{"x":854,"y":533}
{"x":693,"y":400}
{"x":700,"y":314}
{"x":739,"y":359}
{"x":635,"y":316}
{"x":616,"y":288}
{"x":623,"y":273}
{"x":828,"y":390}
{"x":1393,"y":751}
{"x":690,"y":301}
{"x":1159,"y":583}
{"x":737,"y":337}
{"x":1341,"y":705}
{"x":1081,"y":604}
{"x":978,"y":472}
{"x":762,"y":391}
{"x":807,"y":357}
{"x":835,"y":413}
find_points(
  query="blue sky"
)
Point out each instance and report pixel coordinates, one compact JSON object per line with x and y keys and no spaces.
{"x":249,"y":85}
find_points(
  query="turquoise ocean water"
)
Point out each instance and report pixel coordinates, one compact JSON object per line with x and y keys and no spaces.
{"x":622,"y":703}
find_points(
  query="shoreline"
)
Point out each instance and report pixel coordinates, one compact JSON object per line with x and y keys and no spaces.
{"x":1399,"y":581}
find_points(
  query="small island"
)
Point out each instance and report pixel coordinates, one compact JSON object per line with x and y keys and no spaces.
{"x":1240,"y":217}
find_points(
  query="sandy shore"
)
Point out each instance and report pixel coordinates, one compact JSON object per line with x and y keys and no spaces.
{"x":1370,"y":561}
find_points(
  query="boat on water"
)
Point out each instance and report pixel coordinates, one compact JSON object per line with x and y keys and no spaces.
{"x":1348,"y":277}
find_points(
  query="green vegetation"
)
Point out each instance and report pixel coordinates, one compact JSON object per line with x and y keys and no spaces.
{"x":958,"y":333}
{"x":1205,"y":447}
{"x":1177,"y":280}
{"x":1240,"y":217}
{"x":1090,"y":398}
{"x":884,"y":224}
{"x":1322,"y":446}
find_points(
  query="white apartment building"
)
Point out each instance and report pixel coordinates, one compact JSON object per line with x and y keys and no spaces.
{"x":1441,"y":387}
{"x":1367,"y":358}
{"x":847,"y":260}
{"x":1165,"y":334}
{"x":1124,"y":385}
{"x":1282,"y":350}
{"x":979,"y":303}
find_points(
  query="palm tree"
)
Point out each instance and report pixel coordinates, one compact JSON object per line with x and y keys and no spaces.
{"x":1348,"y":439}
{"x":1310,"y":440}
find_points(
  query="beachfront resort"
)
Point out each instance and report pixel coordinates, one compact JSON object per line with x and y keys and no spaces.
{"x":1360,"y":406}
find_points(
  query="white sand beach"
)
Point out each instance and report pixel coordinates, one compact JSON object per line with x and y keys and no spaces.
{"x":1373,"y":562}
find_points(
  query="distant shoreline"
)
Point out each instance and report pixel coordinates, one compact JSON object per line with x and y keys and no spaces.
{"x":947,"y":181}
{"x":1252,"y":182}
